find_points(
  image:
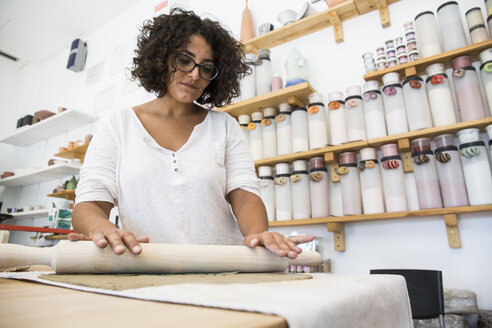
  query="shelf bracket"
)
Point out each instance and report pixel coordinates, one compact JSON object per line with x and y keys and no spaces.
{"x":451,"y":221}
{"x":330,"y":158}
{"x":384,"y":16}
{"x":410,"y":71}
{"x":335,"y":21}
{"x":406,"y":155}
{"x":295,"y":101}
{"x":250,"y":49}
{"x":338,"y":230}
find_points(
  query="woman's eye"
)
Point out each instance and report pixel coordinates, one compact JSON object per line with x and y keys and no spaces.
{"x":208,"y":69}
{"x":184,"y":61}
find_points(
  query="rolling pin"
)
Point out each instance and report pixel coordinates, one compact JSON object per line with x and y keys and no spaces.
{"x":86,"y":257}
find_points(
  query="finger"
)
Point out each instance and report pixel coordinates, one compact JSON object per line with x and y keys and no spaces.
{"x":99,"y":239}
{"x":251,"y":240}
{"x":282,"y":243}
{"x":270,"y":243}
{"x":115,"y":241}
{"x":143,"y":239}
{"x":302,"y":239}
{"x":131,"y":242}
{"x":73,"y":236}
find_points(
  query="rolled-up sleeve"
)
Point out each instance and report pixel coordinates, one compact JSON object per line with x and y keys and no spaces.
{"x":240,"y":169}
{"x":98,"y":173}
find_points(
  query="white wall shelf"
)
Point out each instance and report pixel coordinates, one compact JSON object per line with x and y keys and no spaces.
{"x":50,"y":127}
{"x":30,"y":214}
{"x":45,"y":174}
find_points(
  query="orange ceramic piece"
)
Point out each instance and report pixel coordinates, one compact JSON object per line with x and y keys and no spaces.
{"x":247,"y":28}
{"x":313,"y":109}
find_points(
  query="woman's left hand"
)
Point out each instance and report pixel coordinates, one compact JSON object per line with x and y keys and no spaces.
{"x":277,"y":243}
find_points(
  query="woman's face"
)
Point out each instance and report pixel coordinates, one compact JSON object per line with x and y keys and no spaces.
{"x":186,"y":87}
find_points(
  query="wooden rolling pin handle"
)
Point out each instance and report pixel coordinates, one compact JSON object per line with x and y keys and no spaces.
{"x":12,"y":255}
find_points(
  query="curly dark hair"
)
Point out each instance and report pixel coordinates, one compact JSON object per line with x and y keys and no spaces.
{"x":162,"y":37}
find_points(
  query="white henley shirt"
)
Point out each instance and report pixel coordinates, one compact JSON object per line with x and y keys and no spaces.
{"x":170,"y":196}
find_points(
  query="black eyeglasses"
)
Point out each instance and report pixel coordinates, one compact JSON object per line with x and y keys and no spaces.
{"x":186,"y":64}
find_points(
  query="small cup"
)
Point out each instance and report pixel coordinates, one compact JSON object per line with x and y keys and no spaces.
{"x":265,"y":28}
{"x":401,"y":49}
{"x":390,"y":52}
{"x":408,"y":26}
{"x":389,"y":44}
{"x":398,"y":41}
{"x":381,"y":65}
{"x":410,"y":35}
{"x":411,"y":46}
{"x":380,"y":51}
{"x":402,"y":59}
{"x":392,"y":62}
{"x":413,"y":55}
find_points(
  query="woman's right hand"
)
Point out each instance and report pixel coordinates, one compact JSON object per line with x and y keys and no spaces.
{"x":117,"y":238}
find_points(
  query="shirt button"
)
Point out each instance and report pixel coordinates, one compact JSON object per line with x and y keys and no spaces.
{"x":174,"y":155}
{"x":175,"y":170}
{"x":174,"y":161}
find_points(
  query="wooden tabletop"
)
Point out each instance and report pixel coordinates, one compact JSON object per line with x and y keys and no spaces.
{"x":29,"y":304}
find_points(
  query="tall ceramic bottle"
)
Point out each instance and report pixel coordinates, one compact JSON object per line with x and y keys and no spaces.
{"x":476,"y":25}
{"x":486,"y":72}
{"x":425,"y":173}
{"x":354,"y":114}
{"x":300,"y":129}
{"x":350,"y":184}
{"x":244,"y":120}
{"x":450,"y":172}
{"x":394,"y":104}
{"x":488,"y":128}
{"x":318,"y":137}
{"x":451,"y":27}
{"x":263,"y":72}
{"x":338,"y":126}
{"x":427,"y":34}
{"x":440,"y":96}
{"x":370,"y":182}
{"x":395,"y":196}
{"x":283,"y":192}
{"x":373,"y":110}
{"x":319,"y":187}
{"x":267,"y":190}
{"x":301,"y":199}
{"x":284,"y":130}
{"x":476,"y":167}
{"x":269,"y":132}
{"x":248,"y":83}
{"x":467,"y":89}
{"x":416,"y":103}
{"x":256,"y":136}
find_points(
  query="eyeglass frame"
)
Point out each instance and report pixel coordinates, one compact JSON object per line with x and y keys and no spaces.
{"x":195,"y":64}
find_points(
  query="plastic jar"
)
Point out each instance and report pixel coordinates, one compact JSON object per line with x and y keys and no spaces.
{"x":244,"y":120}
{"x":267,"y":190}
{"x":416,"y":104}
{"x":370,"y":182}
{"x":476,"y":167}
{"x":269,"y":132}
{"x":283,"y":192}
{"x":467,"y":89}
{"x":427,"y":34}
{"x":451,"y":27}
{"x":425,"y":172}
{"x":350,"y":184}
{"x":301,"y":198}
{"x":284,"y":130}
{"x":354,"y":114}
{"x":476,"y":25}
{"x":486,"y":73}
{"x":319,"y":187}
{"x":440,"y":96}
{"x":395,"y":196}
{"x":276,"y":82}
{"x":338,"y":125}
{"x":248,"y":83}
{"x":488,"y":128}
{"x":394,"y":104}
{"x":450,"y":172}
{"x":256,"y":136}
{"x":318,"y":135}
{"x":263,"y":72}
{"x":373,"y":110}
{"x":300,"y":129}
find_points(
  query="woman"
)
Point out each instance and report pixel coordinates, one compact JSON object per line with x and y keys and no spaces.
{"x":174,"y":168}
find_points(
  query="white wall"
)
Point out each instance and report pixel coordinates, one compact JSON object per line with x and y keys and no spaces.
{"x":401,"y":243}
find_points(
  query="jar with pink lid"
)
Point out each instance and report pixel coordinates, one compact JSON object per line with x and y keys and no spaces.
{"x":301,"y":198}
{"x":354,"y":114}
{"x":350,"y":184}
{"x":300,"y":129}
{"x":476,"y":167}
{"x":451,"y":27}
{"x":283,"y":192}
{"x":338,"y":125}
{"x":256,"y":136}
{"x":394,"y":104}
{"x":318,"y":136}
{"x":439,"y":95}
{"x":284,"y":130}
{"x":276,"y":82}
{"x":486,"y":73}
{"x":244,"y":120}
{"x":319,"y":187}
{"x":476,"y":25}
{"x":267,"y":190}
{"x":395,"y":196}
{"x":427,"y":34}
{"x":425,"y":172}
{"x":416,"y":104}
{"x":450,"y":172}
{"x":370,"y":182}
{"x":269,"y":132}
{"x":468,"y":96}
{"x":373,"y":110}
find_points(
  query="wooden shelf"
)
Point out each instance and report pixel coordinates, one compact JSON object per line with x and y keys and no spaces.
{"x":294,"y":95}
{"x":48,"y":173}
{"x":30,"y":214}
{"x":67,"y":194}
{"x":334,"y":16}
{"x":33,"y":229}
{"x":77,"y":152}
{"x":335,"y":224}
{"x":418,"y":67}
{"x":50,"y":127}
